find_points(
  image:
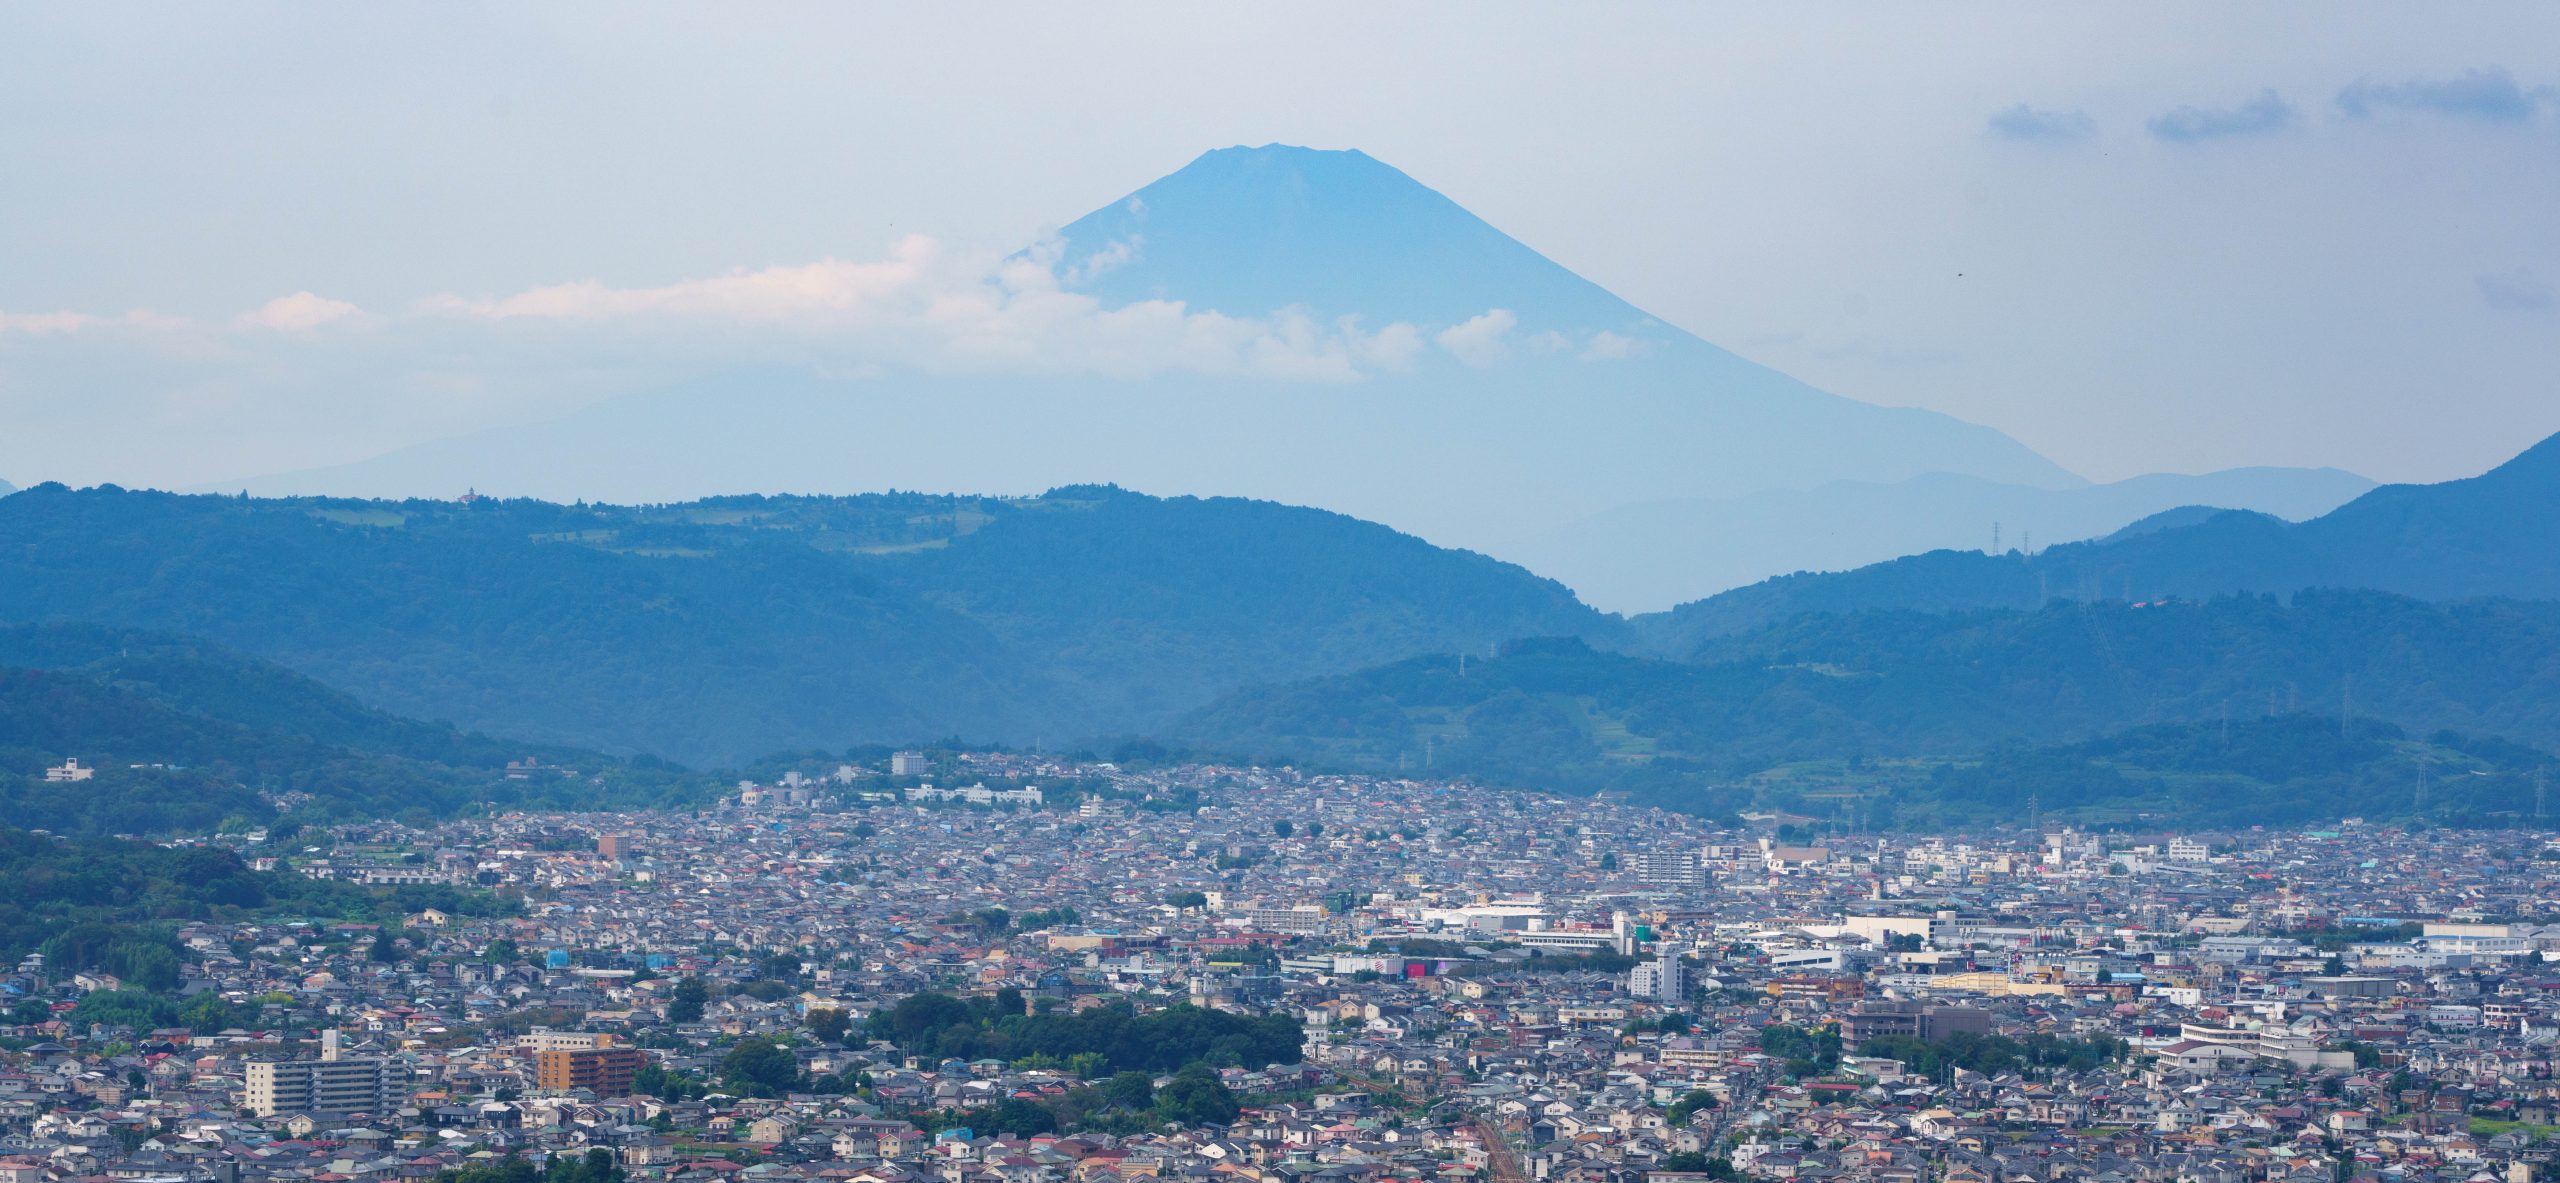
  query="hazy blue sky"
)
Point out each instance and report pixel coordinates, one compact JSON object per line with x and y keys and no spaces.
{"x":240,"y":238}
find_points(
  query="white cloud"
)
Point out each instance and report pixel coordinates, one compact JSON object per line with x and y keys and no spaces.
{"x":48,"y":324}
{"x":1608,"y":346}
{"x":295,"y":313}
{"x":38,"y":324}
{"x":1479,"y":341}
{"x":1093,"y":266}
{"x":825,"y":288}
{"x":1599,"y":346}
{"x":935,"y":308}
{"x":269,"y":389}
{"x":925,"y":306}
{"x":1391,"y":348}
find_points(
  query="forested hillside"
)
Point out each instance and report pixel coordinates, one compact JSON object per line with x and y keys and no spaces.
{"x":187,"y":738}
{"x":718,"y":631}
{"x":2494,"y":535}
{"x":1879,"y":687}
{"x":2250,"y":771}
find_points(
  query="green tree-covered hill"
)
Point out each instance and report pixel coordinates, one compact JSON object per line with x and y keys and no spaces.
{"x":2493,"y":535}
{"x":185,"y":737}
{"x":716,"y":631}
{"x":1860,"y":692}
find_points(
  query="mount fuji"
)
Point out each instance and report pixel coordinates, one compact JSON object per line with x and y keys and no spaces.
{"x":1497,"y":400}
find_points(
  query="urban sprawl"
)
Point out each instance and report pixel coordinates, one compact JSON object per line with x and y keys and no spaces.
{"x":999,"y":968}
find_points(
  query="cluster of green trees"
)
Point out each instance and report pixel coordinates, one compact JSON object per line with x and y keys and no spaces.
{"x":1816,"y":1051}
{"x":1040,"y":918}
{"x":595,"y":1166}
{"x":1689,"y":1104}
{"x":1116,"y":1035}
{"x":1992,"y":1055}
{"x":1124,"y":1103}
{"x":107,"y":905}
{"x":828,"y":1024}
{"x":142,"y":1010}
{"x":2338,"y":938}
{"x":653,"y":1080}
{"x":988,"y":921}
{"x":686,"y":1000}
{"x":760,"y":1068}
{"x":751,"y":1068}
{"x":1713,"y":1167}
{"x":1808,"y":1051}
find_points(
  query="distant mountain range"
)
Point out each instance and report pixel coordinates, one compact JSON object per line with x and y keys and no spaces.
{"x":2497,"y":534}
{"x":720,"y":631}
{"x":716,"y":632}
{"x":2173,"y":715}
{"x":1525,"y":412}
{"x":1867,"y":706}
{"x":1698,"y":544}
{"x":1896,"y":683}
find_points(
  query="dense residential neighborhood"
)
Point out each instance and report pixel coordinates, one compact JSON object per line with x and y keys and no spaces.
{"x":998,"y":968}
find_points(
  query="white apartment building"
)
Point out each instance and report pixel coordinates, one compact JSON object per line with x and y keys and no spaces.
{"x":330,"y":1084}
